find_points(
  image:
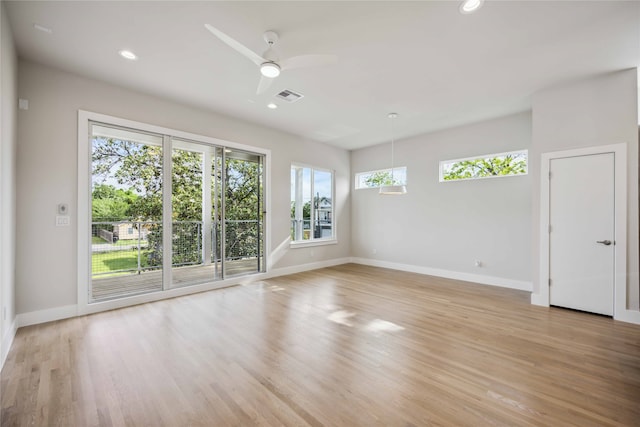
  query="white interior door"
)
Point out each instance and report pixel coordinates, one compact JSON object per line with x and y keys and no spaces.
{"x":582,"y":230}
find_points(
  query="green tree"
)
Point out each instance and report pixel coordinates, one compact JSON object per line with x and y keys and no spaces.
{"x":186,"y":202}
{"x":380,"y":178}
{"x":139,"y":168}
{"x":135,"y":166}
{"x":109,"y":210}
{"x":510,"y":164}
{"x":111,"y":204}
{"x":243,"y":207}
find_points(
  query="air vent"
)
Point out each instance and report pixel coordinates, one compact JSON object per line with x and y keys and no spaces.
{"x":289,"y":96}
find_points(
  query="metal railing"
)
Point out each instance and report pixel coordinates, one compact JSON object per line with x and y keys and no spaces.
{"x":321,"y":228}
{"x":136,"y":246}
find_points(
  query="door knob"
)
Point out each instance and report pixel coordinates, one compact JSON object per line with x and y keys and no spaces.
{"x":604,"y":242}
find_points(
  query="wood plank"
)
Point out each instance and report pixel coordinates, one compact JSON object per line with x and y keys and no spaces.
{"x":343,"y":346}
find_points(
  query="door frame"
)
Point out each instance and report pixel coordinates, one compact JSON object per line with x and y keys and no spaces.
{"x":83,"y":255}
{"x":620,"y":217}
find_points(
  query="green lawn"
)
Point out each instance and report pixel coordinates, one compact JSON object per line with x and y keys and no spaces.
{"x":103,"y":262}
{"x":95,"y":240}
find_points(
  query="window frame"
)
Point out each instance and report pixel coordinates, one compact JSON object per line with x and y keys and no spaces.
{"x":313,"y":241}
{"x":359,"y":174}
{"x":484,"y":156}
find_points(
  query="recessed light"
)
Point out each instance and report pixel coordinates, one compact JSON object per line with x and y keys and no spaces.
{"x":127,"y":54}
{"x":272,"y":106}
{"x":470,"y":6}
{"x":43,"y":29}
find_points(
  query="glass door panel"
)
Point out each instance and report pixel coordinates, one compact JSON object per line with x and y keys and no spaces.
{"x":186,"y":213}
{"x":243,"y":207}
{"x":126,"y":212}
{"x":216,"y":212}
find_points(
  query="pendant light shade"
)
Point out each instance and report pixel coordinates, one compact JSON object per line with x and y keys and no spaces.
{"x":393,"y":189}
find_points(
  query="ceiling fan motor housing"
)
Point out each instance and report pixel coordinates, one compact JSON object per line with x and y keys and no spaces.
{"x":271,"y":37}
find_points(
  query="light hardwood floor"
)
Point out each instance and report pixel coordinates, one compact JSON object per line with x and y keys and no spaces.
{"x":343,"y":346}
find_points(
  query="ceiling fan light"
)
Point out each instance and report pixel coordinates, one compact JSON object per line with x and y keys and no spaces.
{"x":270,"y":69}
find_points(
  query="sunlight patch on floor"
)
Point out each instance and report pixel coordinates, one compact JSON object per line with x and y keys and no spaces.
{"x":379,"y":325}
{"x":342,"y":317}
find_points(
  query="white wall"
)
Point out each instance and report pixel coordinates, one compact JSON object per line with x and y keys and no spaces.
{"x":592,"y":112}
{"x":442,"y":228}
{"x":8,"y":140}
{"x":47,"y":175}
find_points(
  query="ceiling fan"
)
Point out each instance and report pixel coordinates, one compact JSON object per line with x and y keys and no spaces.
{"x":270,"y":63}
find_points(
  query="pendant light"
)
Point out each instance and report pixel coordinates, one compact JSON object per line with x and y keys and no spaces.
{"x":392,"y":188}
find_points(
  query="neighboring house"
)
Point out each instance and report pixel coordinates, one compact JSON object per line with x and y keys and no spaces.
{"x":130,"y":230}
{"x":323,"y":219}
{"x":122,"y":231}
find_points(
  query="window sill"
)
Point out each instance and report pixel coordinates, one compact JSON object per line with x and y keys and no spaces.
{"x":308,"y":243}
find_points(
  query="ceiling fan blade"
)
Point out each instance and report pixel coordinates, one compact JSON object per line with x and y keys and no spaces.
{"x":254,"y":57}
{"x":264,"y":84}
{"x":307,"y":61}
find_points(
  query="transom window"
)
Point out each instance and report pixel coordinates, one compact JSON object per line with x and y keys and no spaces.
{"x":312,"y":196}
{"x":382,"y":177}
{"x":488,"y":166}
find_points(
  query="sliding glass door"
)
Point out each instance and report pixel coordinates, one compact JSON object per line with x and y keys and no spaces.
{"x":126,"y":212}
{"x":193,"y":228}
{"x":214,"y":216}
{"x":243,"y":204}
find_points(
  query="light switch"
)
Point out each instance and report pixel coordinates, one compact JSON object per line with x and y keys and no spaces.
{"x":62,"y":220}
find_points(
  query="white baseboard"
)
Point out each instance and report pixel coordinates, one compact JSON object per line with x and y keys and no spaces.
{"x":47,"y":315}
{"x":283,"y":271}
{"x":629,"y":316}
{"x":538,"y":299}
{"x":624,"y":315}
{"x":7,"y":340}
{"x":467,"y":277}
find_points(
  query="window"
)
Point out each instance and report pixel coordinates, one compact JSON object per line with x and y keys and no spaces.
{"x":311,"y":204}
{"x":489,"y":166}
{"x":375,"y":179}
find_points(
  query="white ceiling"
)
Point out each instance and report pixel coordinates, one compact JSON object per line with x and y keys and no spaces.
{"x":422,"y":59}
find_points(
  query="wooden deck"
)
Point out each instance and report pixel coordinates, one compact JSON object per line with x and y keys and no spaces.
{"x":151,"y":281}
